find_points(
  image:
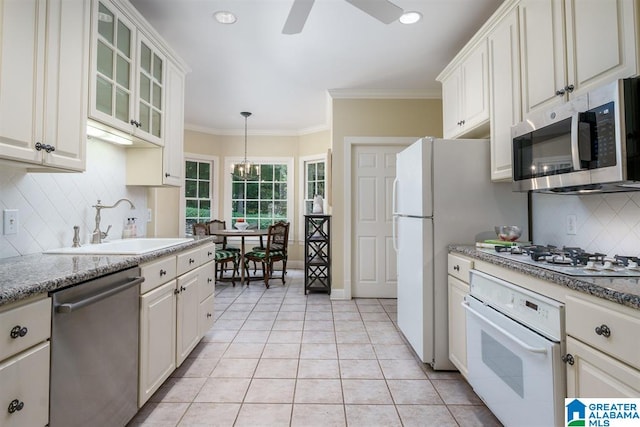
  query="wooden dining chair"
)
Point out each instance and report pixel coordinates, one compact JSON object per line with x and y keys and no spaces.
{"x":275,"y":251}
{"x":222,"y":256}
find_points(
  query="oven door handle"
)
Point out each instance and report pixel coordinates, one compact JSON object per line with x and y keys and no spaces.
{"x":504,"y":332}
{"x":92,"y":299}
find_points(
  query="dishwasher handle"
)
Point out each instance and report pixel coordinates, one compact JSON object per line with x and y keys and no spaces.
{"x":92,"y":299}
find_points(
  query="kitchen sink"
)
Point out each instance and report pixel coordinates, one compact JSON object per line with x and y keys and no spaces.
{"x":122,"y":247}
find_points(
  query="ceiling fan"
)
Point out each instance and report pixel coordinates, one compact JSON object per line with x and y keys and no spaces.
{"x":383,"y":10}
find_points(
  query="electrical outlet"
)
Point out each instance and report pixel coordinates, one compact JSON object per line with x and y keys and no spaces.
{"x":11,"y":221}
{"x":149,"y":217}
{"x":572,"y":224}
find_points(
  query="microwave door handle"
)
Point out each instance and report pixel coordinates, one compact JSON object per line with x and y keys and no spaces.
{"x":504,"y":332}
{"x":575,"y":147}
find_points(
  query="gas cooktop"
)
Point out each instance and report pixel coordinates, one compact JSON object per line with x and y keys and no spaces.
{"x":571,"y":261}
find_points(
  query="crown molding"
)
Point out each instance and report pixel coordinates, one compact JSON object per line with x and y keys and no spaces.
{"x":383,"y":94}
{"x":256,"y":132}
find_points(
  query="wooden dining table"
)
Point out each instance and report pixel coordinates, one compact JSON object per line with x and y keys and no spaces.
{"x":242,"y":234}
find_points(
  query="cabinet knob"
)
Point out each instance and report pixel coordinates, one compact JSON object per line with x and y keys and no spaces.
{"x":603,"y":330}
{"x":182,"y":288}
{"x":456,"y":267}
{"x":167,"y":175}
{"x":208,"y":314}
{"x":560,"y":92}
{"x":191,"y":260}
{"x":18,"y":331}
{"x":176,"y":291}
{"x":162,"y":272}
{"x":569,"y":88}
{"x":568,"y":358}
{"x":209,"y":280}
{"x":135,"y":123}
{"x":15,"y":405}
{"x":209,"y":253}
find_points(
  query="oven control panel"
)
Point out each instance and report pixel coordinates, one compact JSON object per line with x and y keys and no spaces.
{"x":538,"y":312}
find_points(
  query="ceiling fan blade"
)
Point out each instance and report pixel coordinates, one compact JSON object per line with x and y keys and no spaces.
{"x":297,"y":16}
{"x":383,"y":10}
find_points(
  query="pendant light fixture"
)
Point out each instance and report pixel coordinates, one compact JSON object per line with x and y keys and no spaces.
{"x":244,"y":170}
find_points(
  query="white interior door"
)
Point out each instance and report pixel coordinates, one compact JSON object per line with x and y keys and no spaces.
{"x":373,"y":258}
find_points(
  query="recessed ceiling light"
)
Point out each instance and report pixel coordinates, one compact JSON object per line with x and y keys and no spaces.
{"x":225,"y":17}
{"x":410,"y":17}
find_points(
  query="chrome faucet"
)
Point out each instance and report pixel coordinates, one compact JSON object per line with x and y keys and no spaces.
{"x":98,"y":235}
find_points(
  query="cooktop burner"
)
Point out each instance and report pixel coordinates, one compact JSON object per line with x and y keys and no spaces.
{"x":572,"y":261}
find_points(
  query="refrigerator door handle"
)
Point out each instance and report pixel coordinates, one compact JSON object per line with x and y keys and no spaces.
{"x":394,"y":237}
{"x":393,"y":196}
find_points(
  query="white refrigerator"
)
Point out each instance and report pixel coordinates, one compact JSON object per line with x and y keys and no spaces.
{"x":442,"y":194}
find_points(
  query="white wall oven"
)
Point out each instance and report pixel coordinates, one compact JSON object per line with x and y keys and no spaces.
{"x":514,"y":351}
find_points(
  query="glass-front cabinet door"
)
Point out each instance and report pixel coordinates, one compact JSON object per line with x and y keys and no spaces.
{"x":150,"y":91}
{"x":113,"y":53}
{"x":127,"y":90}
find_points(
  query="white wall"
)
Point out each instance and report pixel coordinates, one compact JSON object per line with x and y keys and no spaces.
{"x":607,"y":223}
{"x":50,"y":204}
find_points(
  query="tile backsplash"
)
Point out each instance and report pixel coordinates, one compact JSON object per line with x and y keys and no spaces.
{"x":50,"y":204}
{"x":607,"y":223}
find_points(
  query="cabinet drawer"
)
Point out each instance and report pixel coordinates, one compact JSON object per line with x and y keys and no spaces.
{"x":207,"y":280}
{"x":188,"y":260}
{"x":459,"y":267}
{"x":25,"y":381}
{"x":158,"y":272}
{"x":24,"y":326}
{"x":208,"y":253}
{"x":205,"y":316}
{"x":591,"y":322}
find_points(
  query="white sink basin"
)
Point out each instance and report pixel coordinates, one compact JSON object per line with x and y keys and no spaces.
{"x":122,"y":247}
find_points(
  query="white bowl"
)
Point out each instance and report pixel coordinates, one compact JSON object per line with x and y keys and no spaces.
{"x":242,"y":225}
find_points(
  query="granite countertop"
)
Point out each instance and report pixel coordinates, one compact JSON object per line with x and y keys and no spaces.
{"x":29,"y":275}
{"x":623,"y":290}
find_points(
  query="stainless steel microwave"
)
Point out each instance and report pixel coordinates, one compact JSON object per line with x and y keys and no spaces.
{"x":589,"y":144}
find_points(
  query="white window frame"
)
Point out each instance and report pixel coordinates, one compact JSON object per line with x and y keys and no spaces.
{"x":302,"y":186}
{"x":228,"y":161}
{"x":215,"y":180}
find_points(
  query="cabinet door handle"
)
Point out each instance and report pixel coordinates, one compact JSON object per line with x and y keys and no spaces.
{"x":603,"y":330}
{"x":568,"y":358}
{"x":18,"y":331}
{"x":46,"y":147}
{"x":15,"y":405}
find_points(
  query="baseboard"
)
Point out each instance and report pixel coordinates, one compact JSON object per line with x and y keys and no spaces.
{"x":338,"y":294}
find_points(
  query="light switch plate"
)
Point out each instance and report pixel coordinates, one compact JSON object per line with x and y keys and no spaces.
{"x":10,"y":221}
{"x":572,"y":224}
{"x":149,"y":213}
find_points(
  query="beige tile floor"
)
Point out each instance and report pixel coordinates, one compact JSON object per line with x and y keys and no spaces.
{"x":279,"y":358}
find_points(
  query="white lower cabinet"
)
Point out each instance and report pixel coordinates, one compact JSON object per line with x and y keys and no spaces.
{"x":458,"y":287}
{"x":591,"y":373}
{"x":187,"y":314}
{"x":25,"y":388}
{"x":25,"y":329}
{"x":603,"y":356}
{"x":176,"y":290}
{"x":157,"y":343}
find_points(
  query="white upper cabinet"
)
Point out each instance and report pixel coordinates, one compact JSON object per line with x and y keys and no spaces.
{"x":465,"y":94}
{"x":44,"y":57}
{"x":127,"y":77}
{"x":569,"y":47}
{"x":504,"y":92}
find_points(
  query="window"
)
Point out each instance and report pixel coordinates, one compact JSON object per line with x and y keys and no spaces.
{"x":262,"y":200}
{"x":314,"y":182}
{"x":198,"y":193}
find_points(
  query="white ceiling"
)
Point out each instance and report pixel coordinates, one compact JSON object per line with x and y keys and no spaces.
{"x":284,"y":79}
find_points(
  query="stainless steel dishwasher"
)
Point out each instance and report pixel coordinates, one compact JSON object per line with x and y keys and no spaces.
{"x":94,"y":352}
